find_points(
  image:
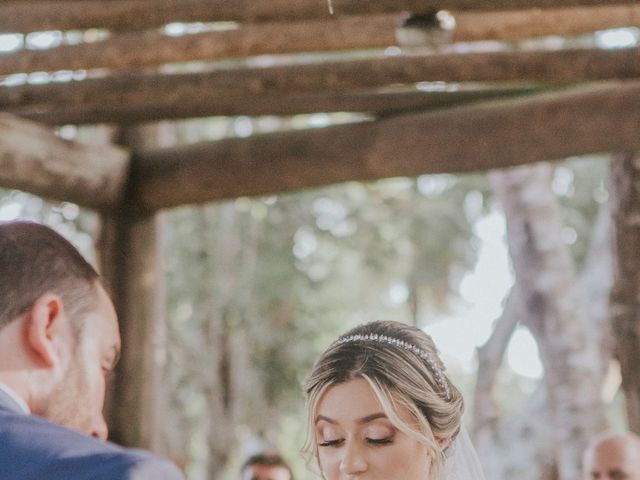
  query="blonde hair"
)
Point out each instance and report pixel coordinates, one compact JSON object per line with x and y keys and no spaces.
{"x":399,"y":378}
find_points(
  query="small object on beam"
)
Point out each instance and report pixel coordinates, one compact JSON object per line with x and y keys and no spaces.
{"x":431,"y":30}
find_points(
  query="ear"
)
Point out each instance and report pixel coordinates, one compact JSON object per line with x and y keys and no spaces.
{"x":46,"y":322}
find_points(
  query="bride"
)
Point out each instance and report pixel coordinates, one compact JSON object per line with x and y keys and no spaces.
{"x":381,"y":408}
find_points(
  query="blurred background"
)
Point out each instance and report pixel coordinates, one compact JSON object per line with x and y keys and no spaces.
{"x":257,"y":288}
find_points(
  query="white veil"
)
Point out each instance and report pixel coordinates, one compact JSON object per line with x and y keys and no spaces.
{"x":462,"y":461}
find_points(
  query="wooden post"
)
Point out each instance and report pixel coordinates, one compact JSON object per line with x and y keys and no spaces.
{"x":625,"y":313}
{"x":132,"y":262}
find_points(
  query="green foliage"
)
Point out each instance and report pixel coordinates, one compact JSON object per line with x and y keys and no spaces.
{"x":285,"y":275}
{"x":582,"y":188}
{"x":78,"y":225}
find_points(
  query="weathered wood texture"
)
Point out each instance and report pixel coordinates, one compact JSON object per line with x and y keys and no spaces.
{"x":562,"y":66}
{"x":482,"y":136}
{"x":151,"y":48}
{"x":34,"y":159}
{"x":136,"y":50}
{"x":26,"y":16}
{"x":519,"y":24}
{"x":134,"y":403}
{"x":377,"y":103}
{"x":625,"y":304}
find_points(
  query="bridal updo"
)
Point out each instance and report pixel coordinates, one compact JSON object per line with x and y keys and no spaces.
{"x":401,"y":364}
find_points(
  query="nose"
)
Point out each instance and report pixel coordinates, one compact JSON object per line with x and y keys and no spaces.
{"x":353,"y":461}
{"x":100,"y":429}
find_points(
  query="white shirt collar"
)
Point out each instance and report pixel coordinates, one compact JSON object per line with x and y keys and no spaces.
{"x":16,"y":398}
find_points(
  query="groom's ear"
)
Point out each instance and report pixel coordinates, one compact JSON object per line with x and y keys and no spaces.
{"x":46,"y":324}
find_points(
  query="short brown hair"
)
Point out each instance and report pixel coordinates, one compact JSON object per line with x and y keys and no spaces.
{"x":34,"y":260}
{"x":269,"y":460}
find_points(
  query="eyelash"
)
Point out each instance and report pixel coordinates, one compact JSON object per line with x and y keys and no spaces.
{"x":371,"y":441}
{"x":331,"y":443}
{"x":380,"y":441}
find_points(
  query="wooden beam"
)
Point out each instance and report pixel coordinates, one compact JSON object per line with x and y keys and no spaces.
{"x":377,"y":103}
{"x":479,"y":137}
{"x":34,"y":159}
{"x":135,"y":50}
{"x":560,"y":66}
{"x":536,"y":22}
{"x":34,"y":15}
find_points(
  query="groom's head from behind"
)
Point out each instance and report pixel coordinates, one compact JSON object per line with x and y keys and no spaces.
{"x":58,"y":328}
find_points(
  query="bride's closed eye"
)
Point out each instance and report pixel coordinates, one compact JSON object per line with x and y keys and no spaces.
{"x":331,"y":443}
{"x":378,"y":435}
{"x":380,"y":441}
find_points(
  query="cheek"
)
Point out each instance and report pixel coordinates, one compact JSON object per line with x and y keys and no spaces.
{"x":329,"y":461}
{"x":97,"y":386}
{"x":94,"y":382}
{"x":410,"y":462}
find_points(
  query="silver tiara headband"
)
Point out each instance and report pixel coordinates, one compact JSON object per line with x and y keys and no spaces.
{"x":374,"y":337}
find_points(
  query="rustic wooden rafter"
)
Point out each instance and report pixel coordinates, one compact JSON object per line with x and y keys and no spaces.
{"x":34,"y":159}
{"x":561,"y":66}
{"x":37,"y":15}
{"x":152,"y":48}
{"x":482,"y":136}
{"x":379,"y":103}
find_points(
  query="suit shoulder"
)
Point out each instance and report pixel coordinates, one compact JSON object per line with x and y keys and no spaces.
{"x":36,"y":447}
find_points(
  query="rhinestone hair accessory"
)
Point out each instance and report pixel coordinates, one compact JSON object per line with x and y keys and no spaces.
{"x":374,"y":337}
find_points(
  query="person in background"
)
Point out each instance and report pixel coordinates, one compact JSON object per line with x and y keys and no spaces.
{"x":613,"y":456}
{"x":59,"y":341}
{"x":266,"y":467}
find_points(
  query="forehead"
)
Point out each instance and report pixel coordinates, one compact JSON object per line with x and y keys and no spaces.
{"x":614,"y":454}
{"x":266,"y":472}
{"x":349,"y":400}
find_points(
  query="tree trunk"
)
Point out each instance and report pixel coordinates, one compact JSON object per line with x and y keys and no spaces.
{"x":486,"y":415}
{"x":546,"y":277}
{"x":218,"y":234}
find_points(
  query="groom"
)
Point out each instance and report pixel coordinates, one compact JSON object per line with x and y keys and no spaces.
{"x":58,"y":341}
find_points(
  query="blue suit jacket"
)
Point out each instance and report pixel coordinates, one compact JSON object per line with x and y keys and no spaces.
{"x":33,"y":449}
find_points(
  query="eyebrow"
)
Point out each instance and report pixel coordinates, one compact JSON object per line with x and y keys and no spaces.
{"x":360,"y":421}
